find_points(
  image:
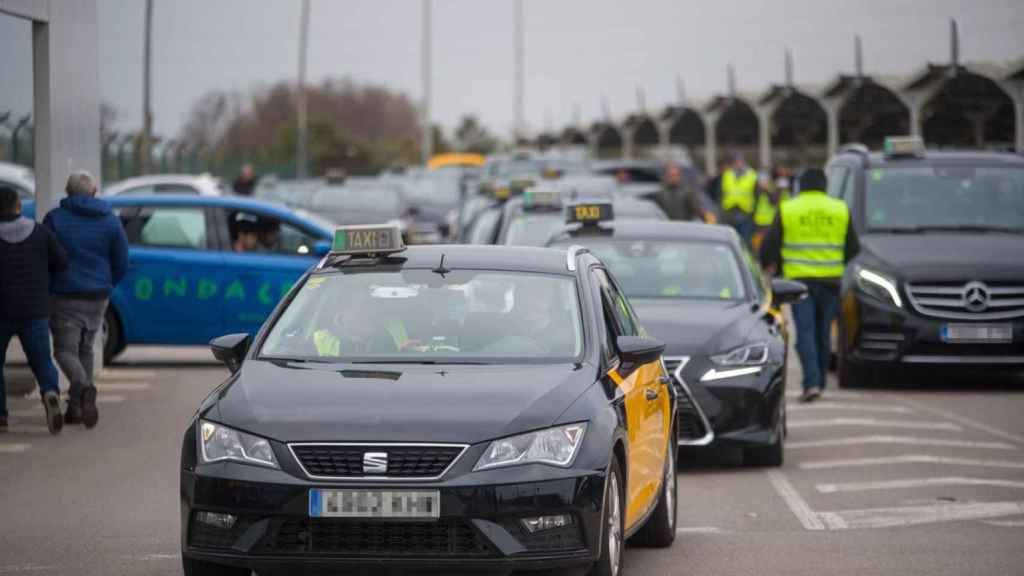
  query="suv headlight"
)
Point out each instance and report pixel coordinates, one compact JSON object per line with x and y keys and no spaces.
{"x":555,"y":446}
{"x":878,"y":285}
{"x":749,"y":355}
{"x":218,"y":442}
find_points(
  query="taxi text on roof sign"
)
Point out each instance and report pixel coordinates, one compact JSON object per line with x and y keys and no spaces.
{"x":903,"y":146}
{"x":367,"y":240}
{"x":589,"y":213}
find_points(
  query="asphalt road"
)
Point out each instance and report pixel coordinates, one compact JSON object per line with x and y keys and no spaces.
{"x":902,"y":481}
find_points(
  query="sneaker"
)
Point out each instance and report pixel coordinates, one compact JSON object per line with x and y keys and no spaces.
{"x":90,"y":415}
{"x":54,"y":418}
{"x":73,"y":415}
{"x":810,"y":395}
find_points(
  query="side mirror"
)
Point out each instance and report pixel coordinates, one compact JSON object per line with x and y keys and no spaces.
{"x":231,"y":349}
{"x":788,"y":291}
{"x":321,"y":248}
{"x":637,"y":350}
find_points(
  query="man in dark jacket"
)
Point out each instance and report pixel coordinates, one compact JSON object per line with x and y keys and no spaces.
{"x":29,"y":255}
{"x":97,"y":260}
{"x":245,"y":184}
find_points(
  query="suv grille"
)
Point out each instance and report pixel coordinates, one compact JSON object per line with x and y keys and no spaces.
{"x":970,"y":301}
{"x":453,"y":538}
{"x":407,"y":461}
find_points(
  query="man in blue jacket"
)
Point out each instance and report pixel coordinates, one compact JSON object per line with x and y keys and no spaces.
{"x":97,"y":260}
{"x":29,"y":256}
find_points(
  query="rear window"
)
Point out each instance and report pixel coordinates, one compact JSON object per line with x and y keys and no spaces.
{"x":908,"y":198}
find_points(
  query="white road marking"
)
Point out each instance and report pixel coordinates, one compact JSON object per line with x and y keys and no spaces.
{"x":150,"y":557}
{"x":915,"y":483}
{"x":123,"y":374}
{"x":700,"y":530}
{"x":123,"y":386}
{"x":851,"y":406}
{"x":22,"y":568}
{"x":829,"y":394}
{"x":796,"y":503}
{"x":908,"y":459}
{"x":968,"y":422}
{"x":914,"y":515}
{"x":14,"y":448}
{"x":1006,"y":523}
{"x":109,"y":399}
{"x":874,"y":423}
{"x":909,"y":440}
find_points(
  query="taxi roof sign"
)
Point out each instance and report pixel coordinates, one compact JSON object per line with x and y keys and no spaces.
{"x":903,"y":146}
{"x":589,"y":213}
{"x":542,"y":198}
{"x":367,"y":240}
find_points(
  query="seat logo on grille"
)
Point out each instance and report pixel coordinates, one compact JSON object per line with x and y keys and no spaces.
{"x":976,"y":297}
{"x":375,"y":463}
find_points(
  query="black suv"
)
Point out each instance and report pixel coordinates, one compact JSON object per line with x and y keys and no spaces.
{"x":940,"y":276}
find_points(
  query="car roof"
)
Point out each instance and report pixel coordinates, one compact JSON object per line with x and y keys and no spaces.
{"x":18,"y":174}
{"x":643,"y":229}
{"x":933,"y":157}
{"x":199,"y":181}
{"x":231,"y":202}
{"x":484,"y":257}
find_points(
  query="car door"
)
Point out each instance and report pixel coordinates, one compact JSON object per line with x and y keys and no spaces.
{"x":255,"y":281}
{"x":648,"y":407}
{"x":169,"y":294}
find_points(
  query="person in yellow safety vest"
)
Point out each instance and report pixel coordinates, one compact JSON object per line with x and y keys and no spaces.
{"x":357,"y":330}
{"x":774,"y":191}
{"x":739,"y":192}
{"x":812,"y":240}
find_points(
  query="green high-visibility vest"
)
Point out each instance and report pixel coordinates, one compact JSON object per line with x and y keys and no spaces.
{"x":765,"y":212}
{"x":813,"y":235}
{"x":327,"y":344}
{"x":738,"y":191}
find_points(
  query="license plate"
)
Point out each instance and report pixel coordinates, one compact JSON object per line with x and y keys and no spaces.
{"x":977,"y":333}
{"x":404,"y":504}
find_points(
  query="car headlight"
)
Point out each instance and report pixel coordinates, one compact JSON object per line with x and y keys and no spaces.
{"x":878,"y":285}
{"x":749,"y":355}
{"x":555,"y":446}
{"x":218,"y":442}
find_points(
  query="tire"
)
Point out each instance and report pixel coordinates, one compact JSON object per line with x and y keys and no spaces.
{"x":112,"y":336}
{"x":853,"y":376}
{"x":613,"y":525}
{"x":773,"y":455}
{"x":197,"y":568}
{"x":660,"y":529}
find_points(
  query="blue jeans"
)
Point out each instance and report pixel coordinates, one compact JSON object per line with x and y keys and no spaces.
{"x":34,"y":334}
{"x":813,"y":316}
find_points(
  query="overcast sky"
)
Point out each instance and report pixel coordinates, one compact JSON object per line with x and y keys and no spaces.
{"x":577,"y":51}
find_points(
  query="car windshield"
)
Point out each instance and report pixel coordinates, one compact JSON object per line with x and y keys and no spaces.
{"x":910,"y":198}
{"x":434,"y":189}
{"x":533,"y":229}
{"x":672,"y":269}
{"x":419,"y":316}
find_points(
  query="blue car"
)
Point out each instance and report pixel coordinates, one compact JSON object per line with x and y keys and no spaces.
{"x":190,"y":275}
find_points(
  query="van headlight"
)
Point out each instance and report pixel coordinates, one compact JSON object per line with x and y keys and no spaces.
{"x":878,"y":285}
{"x":555,"y":446}
{"x":218,"y":443}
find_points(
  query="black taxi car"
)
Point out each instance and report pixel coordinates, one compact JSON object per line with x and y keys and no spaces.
{"x":451,"y":407}
{"x":939,"y":280}
{"x":696,"y":288}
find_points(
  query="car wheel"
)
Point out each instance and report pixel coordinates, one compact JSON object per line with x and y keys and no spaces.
{"x":853,"y":376}
{"x":196,"y":568}
{"x":772,"y":455}
{"x":660,"y":530}
{"x":111,"y":336}
{"x":613,"y":521}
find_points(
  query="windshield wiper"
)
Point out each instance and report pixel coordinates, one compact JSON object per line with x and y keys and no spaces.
{"x":948,"y":228}
{"x":430,"y":362}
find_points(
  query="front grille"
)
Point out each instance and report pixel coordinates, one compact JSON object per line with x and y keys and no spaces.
{"x":202,"y":535}
{"x":555,"y":539}
{"x":451,"y":538}
{"x":968,"y":301}
{"x":689,"y":424}
{"x":408,"y":461}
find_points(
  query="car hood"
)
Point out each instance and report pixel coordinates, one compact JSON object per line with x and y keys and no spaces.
{"x":689,"y":327}
{"x":946,"y":256}
{"x":396,"y":403}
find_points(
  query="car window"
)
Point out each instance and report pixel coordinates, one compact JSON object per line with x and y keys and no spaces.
{"x":415,"y":315}
{"x":254,"y":232}
{"x":836,"y":179}
{"x":482,"y":230}
{"x":760,"y":283}
{"x":169,"y":227}
{"x":618,"y":306}
{"x":159,"y":189}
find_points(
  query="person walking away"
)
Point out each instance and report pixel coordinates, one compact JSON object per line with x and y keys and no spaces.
{"x":812,"y":241}
{"x":97,"y":260}
{"x":773,"y":191}
{"x":739,"y":189}
{"x":245,"y":184}
{"x":29,"y":256}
